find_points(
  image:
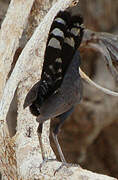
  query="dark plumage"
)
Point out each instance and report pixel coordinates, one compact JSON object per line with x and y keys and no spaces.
{"x":60,"y":87}
{"x":67,"y":95}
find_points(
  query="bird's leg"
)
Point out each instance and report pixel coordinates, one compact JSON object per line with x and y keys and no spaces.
{"x":39,"y":133}
{"x":55,"y":138}
{"x":55,"y":132}
{"x":54,"y":135}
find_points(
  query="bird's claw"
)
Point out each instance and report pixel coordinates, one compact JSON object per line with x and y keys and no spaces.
{"x":67,"y":165}
{"x":45,"y":161}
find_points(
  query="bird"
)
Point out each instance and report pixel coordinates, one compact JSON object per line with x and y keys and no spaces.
{"x":60,"y":88}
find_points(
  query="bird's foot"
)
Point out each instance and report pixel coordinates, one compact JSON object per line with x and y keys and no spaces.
{"x":45,"y":161}
{"x":66,"y":165}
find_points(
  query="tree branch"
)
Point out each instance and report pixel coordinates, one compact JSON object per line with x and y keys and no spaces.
{"x":11,"y":31}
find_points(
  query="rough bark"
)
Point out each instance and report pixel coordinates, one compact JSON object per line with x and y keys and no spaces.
{"x":11,"y":31}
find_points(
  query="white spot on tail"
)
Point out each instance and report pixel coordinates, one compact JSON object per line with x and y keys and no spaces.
{"x":61,"y":21}
{"x":59,"y":70}
{"x":57,"y":32}
{"x":47,"y":75}
{"x":54,"y":43}
{"x":52,"y":68}
{"x":77,"y":25}
{"x":59,"y":78}
{"x":75,"y":31}
{"x":58,"y":60}
{"x":70,"y":41}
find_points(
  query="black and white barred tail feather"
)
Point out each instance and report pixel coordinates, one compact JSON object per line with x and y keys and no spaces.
{"x":55,"y":41}
{"x":64,"y":38}
{"x":72,"y":41}
{"x":53,"y":51}
{"x":52,"y":66}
